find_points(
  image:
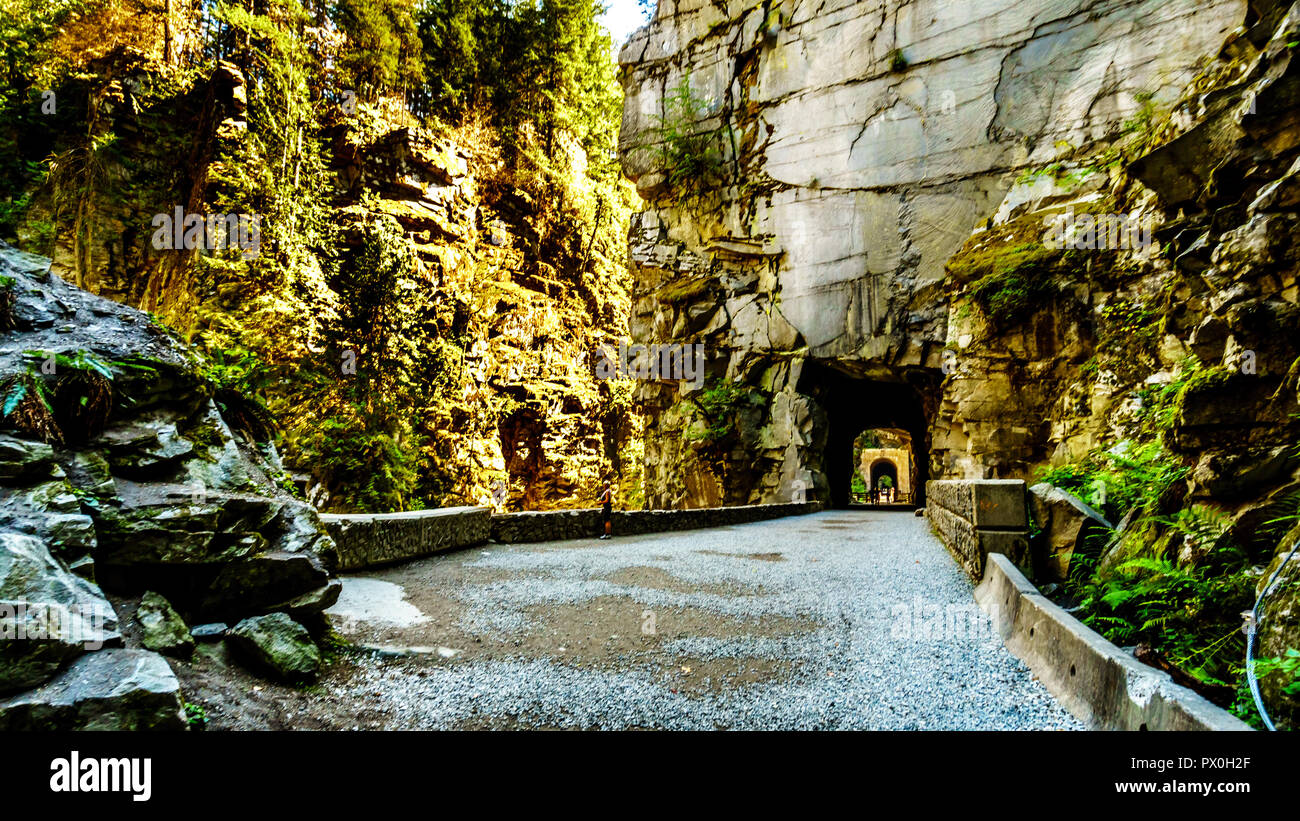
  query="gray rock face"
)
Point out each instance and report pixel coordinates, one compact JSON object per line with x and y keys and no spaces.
{"x":260,"y":582}
{"x":164,"y":630}
{"x":51,"y":512}
{"x":862,"y":143}
{"x":1068,"y":525}
{"x":277,"y":644}
{"x":167,"y":496}
{"x":21,"y":459}
{"x":47,"y":615}
{"x":109,"y":690}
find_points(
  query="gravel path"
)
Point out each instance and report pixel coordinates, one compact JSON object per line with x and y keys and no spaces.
{"x":838,"y":620}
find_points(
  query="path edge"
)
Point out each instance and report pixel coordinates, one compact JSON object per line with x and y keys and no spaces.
{"x":1099,"y":683}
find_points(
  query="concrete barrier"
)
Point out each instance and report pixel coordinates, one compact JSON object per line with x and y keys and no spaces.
{"x":1097,"y":682}
{"x":557,"y":525}
{"x":369,"y":540}
{"x":978,"y":517}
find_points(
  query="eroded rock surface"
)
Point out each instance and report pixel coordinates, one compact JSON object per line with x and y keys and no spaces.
{"x":115,"y":689}
{"x":277,"y":644}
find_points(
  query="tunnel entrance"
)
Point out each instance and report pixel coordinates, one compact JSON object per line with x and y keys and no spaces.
{"x":875,"y":428}
{"x":884,"y":474}
{"x":884,"y":467}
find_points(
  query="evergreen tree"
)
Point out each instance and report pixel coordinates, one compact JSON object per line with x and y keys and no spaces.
{"x":383,"y":54}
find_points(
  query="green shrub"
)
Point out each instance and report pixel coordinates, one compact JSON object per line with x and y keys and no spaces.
{"x":693,"y":156}
{"x":1006,"y":282}
{"x":195,"y":716}
{"x":372,"y":470}
{"x":718,"y":405}
{"x":859,"y":487}
{"x":1191,"y":616}
{"x":1121,"y":479}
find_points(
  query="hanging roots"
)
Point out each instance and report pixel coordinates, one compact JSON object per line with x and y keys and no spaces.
{"x":83,"y":401}
{"x":26,"y":406}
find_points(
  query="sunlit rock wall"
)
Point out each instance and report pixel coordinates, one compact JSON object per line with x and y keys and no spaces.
{"x":863,"y":142}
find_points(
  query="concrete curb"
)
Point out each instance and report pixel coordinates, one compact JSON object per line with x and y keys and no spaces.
{"x":1097,"y":682}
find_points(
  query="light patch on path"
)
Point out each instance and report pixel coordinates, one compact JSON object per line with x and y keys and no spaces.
{"x":375,"y":601}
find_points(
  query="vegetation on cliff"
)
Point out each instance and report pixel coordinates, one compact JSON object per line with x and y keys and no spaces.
{"x":440,"y":216}
{"x":1175,"y":414}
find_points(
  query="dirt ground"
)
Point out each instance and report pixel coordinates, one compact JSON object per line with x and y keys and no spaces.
{"x":602,"y":633}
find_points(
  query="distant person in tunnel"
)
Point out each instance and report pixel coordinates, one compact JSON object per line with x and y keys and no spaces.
{"x":886,"y":489}
{"x":607,"y":507}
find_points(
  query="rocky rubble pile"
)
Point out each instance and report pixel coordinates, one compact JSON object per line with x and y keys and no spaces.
{"x":119,"y":472}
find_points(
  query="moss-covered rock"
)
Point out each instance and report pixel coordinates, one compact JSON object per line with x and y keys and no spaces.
{"x":277,"y":644}
{"x":164,"y":630}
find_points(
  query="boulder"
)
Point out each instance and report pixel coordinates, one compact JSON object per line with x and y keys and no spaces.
{"x":146,"y":448}
{"x":312,"y":604}
{"x":215,"y":631}
{"x":267,"y":581}
{"x":225,"y":555}
{"x":26,"y":461}
{"x":89,"y":472}
{"x":51,"y":512}
{"x":164,"y":630}
{"x":277,"y":644}
{"x":1068,"y":526}
{"x":48,"y":616}
{"x":114,"y":689}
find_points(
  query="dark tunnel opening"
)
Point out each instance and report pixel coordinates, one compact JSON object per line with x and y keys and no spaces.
{"x":855,"y":404}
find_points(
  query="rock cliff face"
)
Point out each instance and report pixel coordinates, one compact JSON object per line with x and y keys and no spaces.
{"x":861,"y":144}
{"x":523,"y":310}
{"x":503,"y":287}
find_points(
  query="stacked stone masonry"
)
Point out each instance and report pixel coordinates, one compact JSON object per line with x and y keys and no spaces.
{"x":976,"y":517}
{"x":370,"y":540}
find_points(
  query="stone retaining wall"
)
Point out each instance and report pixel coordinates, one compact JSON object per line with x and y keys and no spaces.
{"x":367,"y":540}
{"x":976,"y":517}
{"x":557,"y":525}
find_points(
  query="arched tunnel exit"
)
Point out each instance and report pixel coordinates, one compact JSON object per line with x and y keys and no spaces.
{"x":855,"y":404}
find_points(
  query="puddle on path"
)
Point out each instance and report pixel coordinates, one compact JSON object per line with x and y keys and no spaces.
{"x":376,"y":602}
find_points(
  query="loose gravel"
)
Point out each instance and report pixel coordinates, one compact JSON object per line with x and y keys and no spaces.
{"x":837,"y":620}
